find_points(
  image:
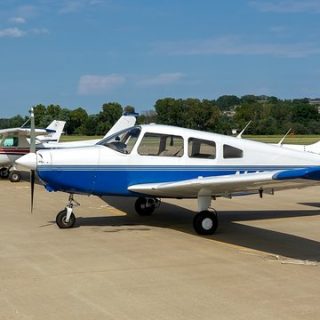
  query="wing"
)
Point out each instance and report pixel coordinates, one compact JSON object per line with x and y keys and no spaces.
{"x":232,"y":184}
{"x":22,"y":131}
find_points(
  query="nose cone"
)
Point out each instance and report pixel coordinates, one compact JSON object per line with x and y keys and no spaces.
{"x":28,"y":161}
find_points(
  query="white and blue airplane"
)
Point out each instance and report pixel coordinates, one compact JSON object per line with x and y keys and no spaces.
{"x":150,"y":162}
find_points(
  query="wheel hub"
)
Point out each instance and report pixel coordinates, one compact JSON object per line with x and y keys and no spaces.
{"x":207,"y":223}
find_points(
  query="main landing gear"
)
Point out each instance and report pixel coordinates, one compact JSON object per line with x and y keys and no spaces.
{"x":146,"y":206}
{"x":13,"y":175}
{"x":66,"y":219}
{"x":206,"y":221}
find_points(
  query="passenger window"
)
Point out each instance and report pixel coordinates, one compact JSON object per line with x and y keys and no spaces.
{"x":230,"y":152}
{"x":10,"y":142}
{"x":198,"y":148}
{"x":162,"y":145}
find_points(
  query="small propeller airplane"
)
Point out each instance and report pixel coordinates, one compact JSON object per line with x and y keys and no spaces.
{"x":15,"y":142}
{"x":153,"y":161}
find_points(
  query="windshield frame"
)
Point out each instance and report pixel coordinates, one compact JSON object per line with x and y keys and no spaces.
{"x":120,"y":145}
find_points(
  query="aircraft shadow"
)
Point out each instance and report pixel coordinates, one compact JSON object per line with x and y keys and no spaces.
{"x":230,"y":231}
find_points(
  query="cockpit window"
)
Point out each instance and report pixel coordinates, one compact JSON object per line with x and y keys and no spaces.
{"x":122,"y":141}
{"x":10,"y":141}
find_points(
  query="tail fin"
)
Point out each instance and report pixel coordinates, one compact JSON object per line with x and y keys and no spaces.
{"x":126,"y":121}
{"x":54,"y":129}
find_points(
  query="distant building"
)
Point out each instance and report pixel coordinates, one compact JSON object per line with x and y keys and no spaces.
{"x":315,"y":102}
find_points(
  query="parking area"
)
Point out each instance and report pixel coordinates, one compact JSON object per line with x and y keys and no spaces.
{"x":263,"y":262}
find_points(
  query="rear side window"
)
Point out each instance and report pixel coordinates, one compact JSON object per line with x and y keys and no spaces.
{"x":10,"y":142}
{"x":198,"y":148}
{"x":161,"y":145}
{"x":230,"y":152}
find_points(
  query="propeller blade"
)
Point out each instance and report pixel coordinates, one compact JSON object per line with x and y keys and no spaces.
{"x":32,"y":181}
{"x":32,"y":133}
{"x":32,"y":151}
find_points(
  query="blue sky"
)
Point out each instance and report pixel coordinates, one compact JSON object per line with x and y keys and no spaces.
{"x":86,"y":52}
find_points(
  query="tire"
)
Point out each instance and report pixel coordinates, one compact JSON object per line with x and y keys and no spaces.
{"x":145,"y":206}
{"x":14,"y":176}
{"x":61,"y":220}
{"x":205,"y":223}
{"x":4,"y":173}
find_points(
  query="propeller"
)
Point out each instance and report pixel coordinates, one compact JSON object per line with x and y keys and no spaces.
{"x":32,"y":151}
{"x":29,"y":161}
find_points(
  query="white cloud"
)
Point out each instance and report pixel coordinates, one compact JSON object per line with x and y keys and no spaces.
{"x":161,"y":79}
{"x":12,"y":33}
{"x":95,"y":84}
{"x":17,"y":20}
{"x":287,"y":6}
{"x":234,"y":45}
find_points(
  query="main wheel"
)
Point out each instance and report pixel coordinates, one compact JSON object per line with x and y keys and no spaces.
{"x":61,"y":220}
{"x":145,"y":206}
{"x":4,"y":173}
{"x":14,"y":176}
{"x":205,"y":222}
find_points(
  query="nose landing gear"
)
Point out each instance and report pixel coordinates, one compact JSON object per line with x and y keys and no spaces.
{"x":66,"y":219}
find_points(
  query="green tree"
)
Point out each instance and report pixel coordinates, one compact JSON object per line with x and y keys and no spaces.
{"x":227,"y":102}
{"x":110,"y":113}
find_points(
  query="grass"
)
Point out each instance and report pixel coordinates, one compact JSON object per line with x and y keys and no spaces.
{"x":78,"y":138}
{"x":290,"y":139}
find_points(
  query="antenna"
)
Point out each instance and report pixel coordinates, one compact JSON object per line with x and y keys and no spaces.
{"x":239,"y":136}
{"x":281,"y":141}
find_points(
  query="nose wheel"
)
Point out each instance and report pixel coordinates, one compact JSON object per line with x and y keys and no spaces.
{"x":63,"y":221}
{"x":66,"y":219}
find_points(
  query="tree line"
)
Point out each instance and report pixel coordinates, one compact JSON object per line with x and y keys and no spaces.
{"x":269,"y":115}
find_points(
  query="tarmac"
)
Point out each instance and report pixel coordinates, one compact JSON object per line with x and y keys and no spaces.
{"x":263,"y":262}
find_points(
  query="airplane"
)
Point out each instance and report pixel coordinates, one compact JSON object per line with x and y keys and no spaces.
{"x":9,"y":154}
{"x":15,"y":143}
{"x":150,"y":162}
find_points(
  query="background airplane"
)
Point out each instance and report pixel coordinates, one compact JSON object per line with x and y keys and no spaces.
{"x":15,"y":143}
{"x":150,"y":162}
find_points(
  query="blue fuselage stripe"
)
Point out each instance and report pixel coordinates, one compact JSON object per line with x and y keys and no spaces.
{"x":115,"y":180}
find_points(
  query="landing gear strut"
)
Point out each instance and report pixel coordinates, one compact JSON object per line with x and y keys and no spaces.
{"x":146,"y":206}
{"x":66,"y":219}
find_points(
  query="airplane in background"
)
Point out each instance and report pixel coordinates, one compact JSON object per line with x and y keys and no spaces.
{"x":15,"y":142}
{"x":150,"y":162}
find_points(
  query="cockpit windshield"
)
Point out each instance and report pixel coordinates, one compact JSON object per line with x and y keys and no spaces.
{"x":122,"y":141}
